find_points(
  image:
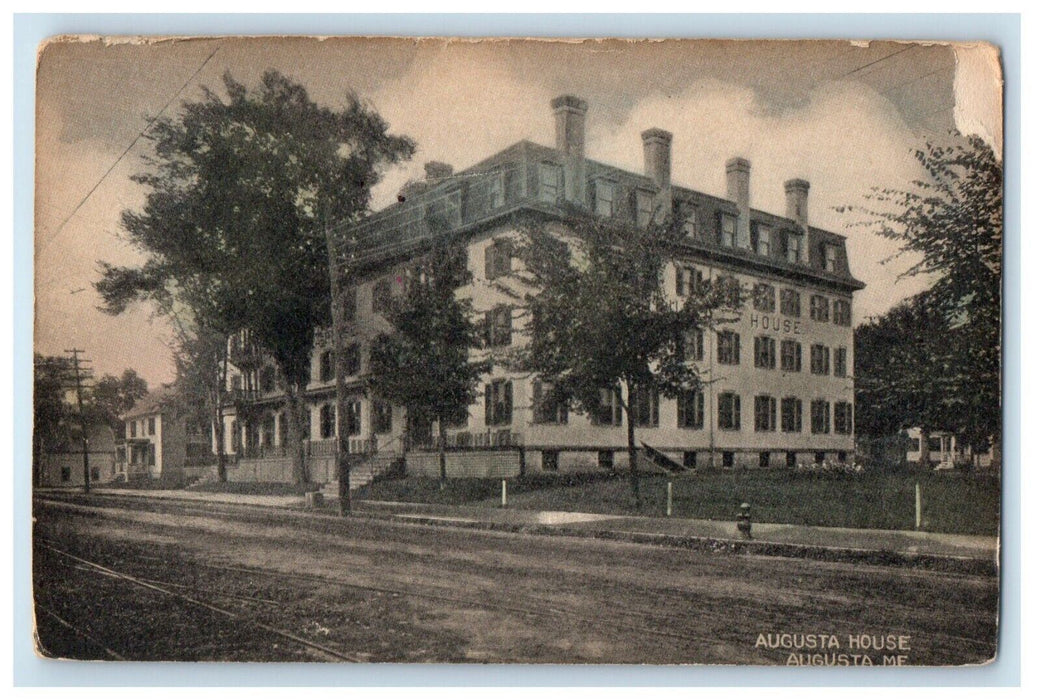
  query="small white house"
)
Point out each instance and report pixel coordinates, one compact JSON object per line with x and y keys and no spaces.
{"x":944,"y":450}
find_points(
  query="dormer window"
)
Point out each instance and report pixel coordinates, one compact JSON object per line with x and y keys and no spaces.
{"x":794,"y":247}
{"x":727,"y":230}
{"x":605,"y":195}
{"x":686,"y":214}
{"x":761,"y":240}
{"x":444,"y":212}
{"x":831,"y":258}
{"x":551,"y":182}
{"x":644,"y":208}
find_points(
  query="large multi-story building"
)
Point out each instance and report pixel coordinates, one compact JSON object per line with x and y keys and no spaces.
{"x":778,"y":383}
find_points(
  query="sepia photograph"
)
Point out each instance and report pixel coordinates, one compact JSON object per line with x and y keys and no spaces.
{"x":370,"y":350}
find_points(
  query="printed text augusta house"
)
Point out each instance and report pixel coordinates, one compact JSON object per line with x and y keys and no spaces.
{"x":778,"y":381}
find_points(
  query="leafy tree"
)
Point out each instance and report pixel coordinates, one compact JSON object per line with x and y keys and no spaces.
{"x":231,"y":229}
{"x":51,"y":413}
{"x":424,"y":362}
{"x":600,"y":318}
{"x":114,"y":396}
{"x":951,"y":222}
{"x":202,"y":370}
{"x":903,"y":370}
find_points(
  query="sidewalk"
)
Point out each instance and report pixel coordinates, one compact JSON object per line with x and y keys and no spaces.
{"x":898,"y":546}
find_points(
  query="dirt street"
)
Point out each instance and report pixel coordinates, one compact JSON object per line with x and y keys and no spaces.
{"x":123,"y":578}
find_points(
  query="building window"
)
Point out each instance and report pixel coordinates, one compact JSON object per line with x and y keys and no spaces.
{"x":688,"y":279}
{"x":761,"y":239}
{"x":133,"y":428}
{"x":794,"y":247}
{"x":267,"y":379}
{"x":498,"y":259}
{"x":791,"y":415}
{"x":352,"y":359}
{"x":236,"y":382}
{"x":644,"y":208}
{"x":791,"y":356}
{"x":548,"y":407}
{"x":605,"y":195}
{"x":831,"y":258}
{"x":499,"y":326}
{"x":690,"y":222}
{"x":66,"y":473}
{"x":498,"y":402}
{"x":645,"y":407}
{"x":840,"y":362}
{"x":765,"y":414}
{"x":731,"y":289}
{"x":843,"y":418}
{"x":841,"y":315}
{"x":325,"y":366}
{"x":267,"y":431}
{"x":327,"y":421}
{"x":354,"y":418}
{"x":282,"y":428}
{"x":727,"y":230}
{"x":381,"y":296}
{"x":550,"y":460}
{"x":609,"y":410}
{"x":151,"y":454}
{"x":728,"y":348}
{"x":819,"y":356}
{"x":818,"y":308}
{"x":693,"y":349}
{"x":690,"y":409}
{"x":790,"y":303}
{"x":765,"y":352}
{"x":729,"y":411}
{"x":151,"y":425}
{"x":764,"y":297}
{"x":382,"y":416}
{"x":820,"y":417}
{"x":488,"y":192}
{"x":551,"y":182}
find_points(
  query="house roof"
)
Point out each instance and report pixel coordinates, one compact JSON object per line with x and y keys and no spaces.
{"x":152,"y":403}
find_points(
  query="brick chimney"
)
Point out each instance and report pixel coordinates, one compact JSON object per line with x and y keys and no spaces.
{"x":657,"y":156}
{"x":739,"y":173}
{"x":797,"y":195}
{"x":570,"y":114}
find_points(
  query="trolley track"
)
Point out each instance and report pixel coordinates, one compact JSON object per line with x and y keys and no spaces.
{"x":321,"y":649}
{"x":716,"y":612}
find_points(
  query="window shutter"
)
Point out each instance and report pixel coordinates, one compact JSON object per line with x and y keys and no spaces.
{"x":507,"y":400}
{"x":488,"y":408}
{"x":536,"y":401}
{"x":489,"y":260}
{"x":679,"y":281}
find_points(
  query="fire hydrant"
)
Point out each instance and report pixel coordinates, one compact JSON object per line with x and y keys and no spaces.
{"x":744,"y":520}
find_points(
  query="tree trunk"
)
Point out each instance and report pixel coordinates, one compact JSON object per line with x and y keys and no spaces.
{"x":442,"y":436}
{"x":222,"y":465}
{"x":630,"y":429}
{"x":294,"y":437}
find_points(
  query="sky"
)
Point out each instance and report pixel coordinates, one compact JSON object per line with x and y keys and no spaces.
{"x":844,"y":116}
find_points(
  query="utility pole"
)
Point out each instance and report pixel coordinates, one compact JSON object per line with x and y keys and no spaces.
{"x":79,"y":376}
{"x":343,"y":464}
